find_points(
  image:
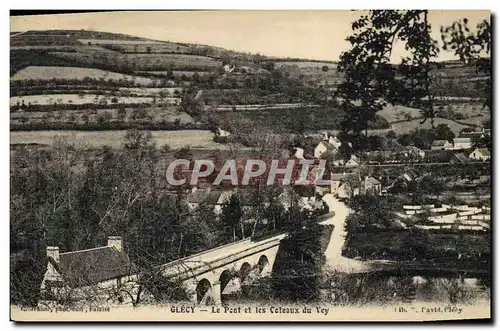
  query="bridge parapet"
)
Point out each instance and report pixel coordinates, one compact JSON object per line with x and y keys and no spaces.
{"x":198,"y":264}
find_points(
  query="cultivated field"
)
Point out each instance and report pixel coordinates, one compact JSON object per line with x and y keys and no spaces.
{"x":408,"y":126}
{"x":167,"y":114}
{"x":198,"y":139}
{"x":312,"y":72}
{"x":144,"y":62}
{"x":394,"y":113}
{"x":118,"y":42}
{"x":176,"y":73}
{"x":82,"y":99}
{"x":306,"y":64}
{"x":48,"y":73}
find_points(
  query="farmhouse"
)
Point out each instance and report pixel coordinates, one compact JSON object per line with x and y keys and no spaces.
{"x":90,"y":271}
{"x":441,"y":145}
{"x":480,"y":154}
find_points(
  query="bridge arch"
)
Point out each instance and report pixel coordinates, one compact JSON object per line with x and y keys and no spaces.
{"x":245,"y":270}
{"x":263,"y":263}
{"x":224,"y":279}
{"x":203,"y":291}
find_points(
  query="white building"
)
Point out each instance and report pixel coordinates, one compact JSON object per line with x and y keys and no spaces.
{"x":462,"y":143}
{"x":480,"y":154}
{"x":323,"y":146}
{"x":438,"y":145}
{"x":352,"y":162}
{"x":299,"y":153}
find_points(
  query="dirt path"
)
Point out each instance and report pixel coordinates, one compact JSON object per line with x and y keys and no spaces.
{"x":334,"y":259}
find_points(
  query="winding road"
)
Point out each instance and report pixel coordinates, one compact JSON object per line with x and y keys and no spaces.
{"x":334,"y":259}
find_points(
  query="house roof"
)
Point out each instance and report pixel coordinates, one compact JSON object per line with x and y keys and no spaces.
{"x":461,"y":157}
{"x":344,"y":176}
{"x":246,"y":196}
{"x":439,"y":142}
{"x":461,"y":140}
{"x":411,"y":172}
{"x":483,"y":151}
{"x":91,"y":266}
{"x":412,"y":149}
{"x":327,"y":145}
{"x":210,"y":197}
{"x":372,"y":180}
{"x":473,"y":134}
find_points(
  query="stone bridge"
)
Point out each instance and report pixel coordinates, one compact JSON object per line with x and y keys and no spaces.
{"x":213,"y":275}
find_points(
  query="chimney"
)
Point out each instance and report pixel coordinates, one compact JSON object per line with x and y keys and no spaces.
{"x":116,"y":242}
{"x":53,"y":252}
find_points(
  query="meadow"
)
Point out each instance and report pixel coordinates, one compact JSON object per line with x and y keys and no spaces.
{"x":50,"y":72}
{"x":197,"y":139}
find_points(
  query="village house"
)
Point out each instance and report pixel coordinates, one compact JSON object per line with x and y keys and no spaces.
{"x":345,"y":185}
{"x":475,"y":134}
{"x":222,"y":133}
{"x":480,"y":154}
{"x":228,"y":68}
{"x":462,"y":143}
{"x":438,"y":145}
{"x":372,"y":186}
{"x":205,"y":195}
{"x":405,"y":179}
{"x":352,"y":162}
{"x":323,"y":147}
{"x":97,"y":272}
{"x":299,"y":153}
{"x":413,"y":151}
{"x":335,"y":142}
{"x":378,"y":157}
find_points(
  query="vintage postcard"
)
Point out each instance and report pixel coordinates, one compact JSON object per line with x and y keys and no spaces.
{"x":250,"y":166}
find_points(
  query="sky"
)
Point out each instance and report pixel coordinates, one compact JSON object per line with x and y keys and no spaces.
{"x":301,"y":34}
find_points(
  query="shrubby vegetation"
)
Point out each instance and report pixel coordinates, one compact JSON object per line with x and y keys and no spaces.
{"x":61,"y":197}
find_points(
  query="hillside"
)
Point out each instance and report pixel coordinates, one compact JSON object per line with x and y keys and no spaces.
{"x":89,"y":80}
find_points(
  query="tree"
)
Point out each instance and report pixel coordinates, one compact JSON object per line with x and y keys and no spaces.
{"x":324,"y":68}
{"x":231,"y":215}
{"x":443,"y":132}
{"x":370,"y":78}
{"x":184,"y":153}
{"x":472,"y":48}
{"x":135,"y":139}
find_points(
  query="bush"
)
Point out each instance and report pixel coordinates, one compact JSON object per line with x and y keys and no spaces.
{"x":165,"y":148}
{"x":184,"y":153}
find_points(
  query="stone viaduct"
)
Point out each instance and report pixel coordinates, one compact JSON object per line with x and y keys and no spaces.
{"x":214,"y":274}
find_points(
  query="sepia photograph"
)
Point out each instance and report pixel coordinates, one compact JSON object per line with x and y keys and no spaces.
{"x":246,"y":165}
